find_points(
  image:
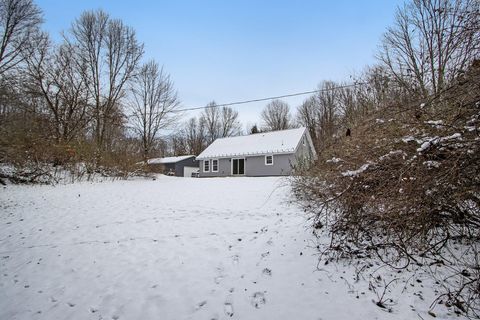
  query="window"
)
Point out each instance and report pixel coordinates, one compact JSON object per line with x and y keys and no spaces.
{"x":206,"y":165}
{"x":304,"y":140}
{"x":215,"y":165}
{"x":268,"y":160}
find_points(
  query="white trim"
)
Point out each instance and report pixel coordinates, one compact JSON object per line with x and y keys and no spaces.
{"x":213,"y":170}
{"x":244,"y":166}
{"x":204,"y":163}
{"x":242,"y":155}
{"x":266,"y":163}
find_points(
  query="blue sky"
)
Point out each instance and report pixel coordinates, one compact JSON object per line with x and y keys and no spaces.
{"x":234,"y":50}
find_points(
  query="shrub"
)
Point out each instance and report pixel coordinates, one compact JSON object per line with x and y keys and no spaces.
{"x":405,"y":186}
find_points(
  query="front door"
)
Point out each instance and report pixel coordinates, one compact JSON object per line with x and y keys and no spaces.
{"x":238,"y":167}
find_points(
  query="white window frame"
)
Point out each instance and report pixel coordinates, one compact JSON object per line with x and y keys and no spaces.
{"x":266,"y":163}
{"x":213,"y":166}
{"x":206,"y":163}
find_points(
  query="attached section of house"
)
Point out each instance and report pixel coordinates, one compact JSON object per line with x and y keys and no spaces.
{"x":275,"y":153}
{"x":181,"y":166}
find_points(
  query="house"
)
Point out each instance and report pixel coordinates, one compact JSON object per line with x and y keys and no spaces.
{"x":273,"y":153}
{"x":181,"y":166}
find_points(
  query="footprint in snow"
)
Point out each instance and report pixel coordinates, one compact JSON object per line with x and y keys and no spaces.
{"x":228,"y":309}
{"x":220,"y":276}
{"x":200,"y":305}
{"x":71,"y":304}
{"x":267,"y":272}
{"x":236,"y":258}
{"x":218,"y":279}
{"x":258,"y":299}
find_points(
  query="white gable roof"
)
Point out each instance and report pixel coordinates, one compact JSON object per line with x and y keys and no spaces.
{"x":168,"y":159}
{"x":285,"y":141}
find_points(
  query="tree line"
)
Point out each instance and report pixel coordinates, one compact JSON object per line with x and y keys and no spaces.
{"x":78,"y":98}
{"x":429,"y":45}
{"x":91,"y":97}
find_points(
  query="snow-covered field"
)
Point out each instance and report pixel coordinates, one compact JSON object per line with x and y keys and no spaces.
{"x":173,"y":248}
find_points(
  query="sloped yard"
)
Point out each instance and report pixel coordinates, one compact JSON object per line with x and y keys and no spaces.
{"x":174,"y":248}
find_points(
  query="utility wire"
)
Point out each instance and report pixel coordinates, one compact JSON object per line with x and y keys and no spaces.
{"x":269,"y":98}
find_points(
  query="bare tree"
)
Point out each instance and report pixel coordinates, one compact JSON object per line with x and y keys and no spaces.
{"x":328,"y":108}
{"x":195,"y":134}
{"x":211,"y":117}
{"x":347,"y":105}
{"x":19,"y":21}
{"x":111,"y":53}
{"x":220,"y":122}
{"x":276,"y":116}
{"x":53,"y":77}
{"x":321,"y":112}
{"x":431,"y":42}
{"x":307,"y":116}
{"x":177,"y":144}
{"x":154,"y":99}
{"x":230,"y":125}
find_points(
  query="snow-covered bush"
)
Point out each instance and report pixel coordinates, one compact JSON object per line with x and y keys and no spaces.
{"x":407,"y":190}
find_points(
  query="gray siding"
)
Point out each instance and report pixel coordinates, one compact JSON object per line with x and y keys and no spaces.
{"x":255,"y":165}
{"x":305,"y":154}
{"x":224,"y":169}
{"x":176,"y":167}
{"x":190,"y":162}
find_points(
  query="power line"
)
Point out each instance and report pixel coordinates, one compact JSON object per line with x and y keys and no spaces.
{"x":269,"y":98}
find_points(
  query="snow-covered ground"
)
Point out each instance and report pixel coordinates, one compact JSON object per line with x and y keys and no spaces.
{"x":174,"y":248}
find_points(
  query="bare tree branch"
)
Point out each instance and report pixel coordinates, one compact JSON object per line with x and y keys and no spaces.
{"x":153,"y":100}
{"x":111,"y":53}
{"x":276,"y":116}
{"x":19,"y":21}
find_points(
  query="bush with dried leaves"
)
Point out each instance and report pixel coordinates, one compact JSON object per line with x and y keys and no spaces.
{"x":405,"y":187}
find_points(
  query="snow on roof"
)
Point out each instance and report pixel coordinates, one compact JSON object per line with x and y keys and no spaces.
{"x":168,"y":159}
{"x":285,"y":141}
